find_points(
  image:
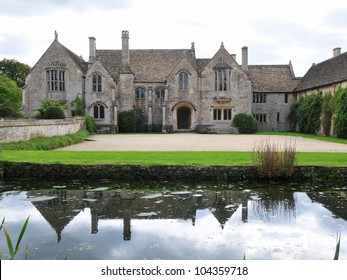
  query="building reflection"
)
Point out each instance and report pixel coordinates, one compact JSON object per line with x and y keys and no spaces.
{"x":128,"y":206}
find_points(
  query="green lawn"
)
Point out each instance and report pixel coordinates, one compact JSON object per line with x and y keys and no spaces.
{"x":303,"y":135}
{"x":162,"y":158}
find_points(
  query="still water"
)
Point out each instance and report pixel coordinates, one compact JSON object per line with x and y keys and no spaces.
{"x":111,"y":221}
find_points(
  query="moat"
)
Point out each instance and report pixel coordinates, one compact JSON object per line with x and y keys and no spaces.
{"x":109,"y":220}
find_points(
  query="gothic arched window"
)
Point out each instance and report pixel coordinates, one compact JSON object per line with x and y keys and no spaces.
{"x":99,"y":111}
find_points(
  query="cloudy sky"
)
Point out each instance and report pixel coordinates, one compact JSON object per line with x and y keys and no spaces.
{"x":303,"y":31}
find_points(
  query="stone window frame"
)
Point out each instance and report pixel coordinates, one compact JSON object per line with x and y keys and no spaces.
{"x":183,"y":80}
{"x":160,"y":93}
{"x":222,"y":113}
{"x":261,"y":118}
{"x":97,"y":80}
{"x":55,"y":80}
{"x":99,"y":110}
{"x":259,"y":98}
{"x":221,"y":79}
{"x":140,"y":93}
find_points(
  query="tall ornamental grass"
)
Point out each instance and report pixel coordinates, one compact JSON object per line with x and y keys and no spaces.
{"x":271,"y":160}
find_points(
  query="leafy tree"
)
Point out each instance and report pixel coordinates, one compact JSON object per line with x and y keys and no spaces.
{"x":10,"y":98}
{"x":340,"y":124}
{"x":15,"y":70}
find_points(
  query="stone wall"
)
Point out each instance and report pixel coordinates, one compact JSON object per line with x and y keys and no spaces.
{"x":230,"y":174}
{"x":27,"y":129}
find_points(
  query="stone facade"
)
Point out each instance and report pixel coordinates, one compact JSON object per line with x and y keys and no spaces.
{"x":173,"y":90}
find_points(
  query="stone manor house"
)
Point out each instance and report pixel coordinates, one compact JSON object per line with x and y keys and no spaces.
{"x":174,"y":90}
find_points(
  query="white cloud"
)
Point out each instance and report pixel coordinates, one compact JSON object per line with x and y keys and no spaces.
{"x":30,"y":8}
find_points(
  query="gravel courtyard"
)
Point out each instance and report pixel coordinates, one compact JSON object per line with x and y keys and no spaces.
{"x":197,"y":142}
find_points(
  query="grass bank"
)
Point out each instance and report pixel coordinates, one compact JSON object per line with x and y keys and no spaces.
{"x":163,"y":158}
{"x":47,"y":143}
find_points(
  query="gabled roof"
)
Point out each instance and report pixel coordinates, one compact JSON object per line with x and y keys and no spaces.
{"x":146,"y":65}
{"x":324,"y":73}
{"x":77,"y":59}
{"x":202,"y":63}
{"x":272,"y":78}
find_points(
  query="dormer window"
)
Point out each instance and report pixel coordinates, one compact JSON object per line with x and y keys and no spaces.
{"x":97,"y":83}
{"x":183,"y":81}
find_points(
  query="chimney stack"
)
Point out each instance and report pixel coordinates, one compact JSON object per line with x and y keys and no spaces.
{"x":125,"y":48}
{"x":336,"y":52}
{"x":245,"y":58}
{"x":92,"y":49}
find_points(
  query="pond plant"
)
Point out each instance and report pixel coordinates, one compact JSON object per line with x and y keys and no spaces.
{"x":273,"y":161}
{"x":14,"y":250}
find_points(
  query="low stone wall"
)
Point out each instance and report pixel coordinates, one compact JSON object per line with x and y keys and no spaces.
{"x":27,"y":129}
{"x":230,"y":174}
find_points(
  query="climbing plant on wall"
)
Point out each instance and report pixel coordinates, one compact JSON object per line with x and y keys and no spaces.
{"x":309,"y":112}
{"x":340,"y":124}
{"x":327,"y":112}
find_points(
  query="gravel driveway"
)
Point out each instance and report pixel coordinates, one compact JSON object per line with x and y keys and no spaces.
{"x":197,"y":142}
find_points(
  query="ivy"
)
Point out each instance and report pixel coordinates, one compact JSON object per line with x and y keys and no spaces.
{"x":340,"y":124}
{"x":327,"y":112}
{"x":308,"y":113}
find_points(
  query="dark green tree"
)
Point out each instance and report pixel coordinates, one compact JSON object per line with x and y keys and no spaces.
{"x":10,"y":98}
{"x":15,"y":70}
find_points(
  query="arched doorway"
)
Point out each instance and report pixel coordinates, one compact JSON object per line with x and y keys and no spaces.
{"x":183,"y":118}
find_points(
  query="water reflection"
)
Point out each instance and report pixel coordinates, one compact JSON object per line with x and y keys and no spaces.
{"x":101,"y":223}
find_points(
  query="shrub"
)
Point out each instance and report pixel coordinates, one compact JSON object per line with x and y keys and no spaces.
{"x":271,"y":161}
{"x":54,"y":112}
{"x":45,"y":104}
{"x":245,"y":123}
{"x":340,"y":124}
{"x":79,"y":106}
{"x":127,"y":121}
{"x":90,"y":124}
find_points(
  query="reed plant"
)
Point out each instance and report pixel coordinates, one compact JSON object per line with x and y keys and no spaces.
{"x":271,"y":160}
{"x":14,"y":250}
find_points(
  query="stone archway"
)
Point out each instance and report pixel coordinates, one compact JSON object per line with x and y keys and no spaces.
{"x":184,"y":118}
